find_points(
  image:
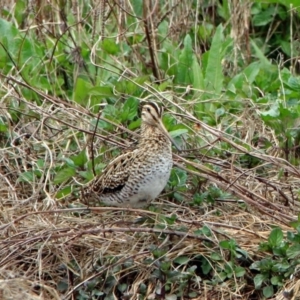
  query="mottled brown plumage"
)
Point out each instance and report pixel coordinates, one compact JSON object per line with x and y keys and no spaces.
{"x":135,"y":178}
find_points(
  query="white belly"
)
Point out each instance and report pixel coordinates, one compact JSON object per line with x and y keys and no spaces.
{"x":152,"y":184}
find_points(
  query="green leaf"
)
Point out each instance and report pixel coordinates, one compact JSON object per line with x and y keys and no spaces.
{"x":219,"y":112}
{"x":268,"y":291}
{"x":260,"y":54}
{"x":178,"y":132}
{"x":62,"y":286}
{"x":276,"y":237}
{"x":294,"y":83}
{"x":213,"y":74}
{"x":264,"y":17}
{"x":63,"y":175}
{"x":134,"y":124}
{"x":25,"y":52}
{"x":259,"y":279}
{"x":129,"y":111}
{"x":185,"y":62}
{"x":8,"y":32}
{"x":178,"y":177}
{"x":293,"y":251}
{"x":205,"y":30}
{"x":69,"y":162}
{"x":110,"y":46}
{"x":27,"y":176}
{"x":3,"y":126}
{"x":81,"y":91}
{"x":137,"y":7}
{"x":197,"y":75}
{"x":79,"y":159}
{"x":63,"y":192}
{"x":244,"y":78}
{"x":239,"y":271}
{"x":216,"y":256}
{"x":182,"y":260}
{"x":102,"y":91}
{"x":122,"y":287}
{"x":228,"y":244}
{"x":276,"y":280}
{"x":272,"y":112}
{"x":205,"y":266}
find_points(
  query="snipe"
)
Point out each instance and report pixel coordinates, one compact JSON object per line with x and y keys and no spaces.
{"x":135,"y":178}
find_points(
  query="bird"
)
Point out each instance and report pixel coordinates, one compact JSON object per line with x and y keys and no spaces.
{"x":135,"y":178}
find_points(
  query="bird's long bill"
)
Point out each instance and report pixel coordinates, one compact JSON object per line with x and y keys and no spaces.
{"x":163,"y":128}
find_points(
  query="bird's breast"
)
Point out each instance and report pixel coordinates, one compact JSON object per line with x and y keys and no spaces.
{"x":156,"y":178}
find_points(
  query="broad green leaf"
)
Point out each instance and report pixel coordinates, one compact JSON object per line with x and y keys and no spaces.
{"x":205,"y":266}
{"x":126,"y":87}
{"x":276,"y":237}
{"x":251,"y":71}
{"x":259,"y":280}
{"x":63,"y":192}
{"x":19,"y":9}
{"x":185,"y":62}
{"x":88,"y":175}
{"x":129,"y":111}
{"x":3,"y":126}
{"x":206,"y":230}
{"x":178,"y":177}
{"x":264,"y":17}
{"x":260,"y":54}
{"x":8,"y":33}
{"x":239,"y":271}
{"x":79,"y":159}
{"x":81,"y":91}
{"x":228,"y":244}
{"x":122,"y":287}
{"x":281,"y":267}
{"x":110,"y":46}
{"x":102,"y":91}
{"x":294,"y":83}
{"x":216,"y":256}
{"x":178,"y":132}
{"x":268,"y":291}
{"x":137,"y":7}
{"x":69,"y":162}
{"x":213,"y":74}
{"x":275,"y":280}
{"x":24,"y":52}
{"x":27,"y":176}
{"x":293,"y":251}
{"x":205,"y":30}
{"x":182,"y":260}
{"x":272,"y":112}
{"x":224,"y":10}
{"x":134,"y":124}
{"x":219,"y":112}
{"x":62,"y":286}
{"x":198,"y":81}
{"x":246,"y":77}
{"x":63,"y":175}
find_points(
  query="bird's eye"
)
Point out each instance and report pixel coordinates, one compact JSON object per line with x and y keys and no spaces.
{"x":148,"y":109}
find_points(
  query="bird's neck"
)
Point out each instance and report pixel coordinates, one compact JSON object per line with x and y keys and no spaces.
{"x":149,"y":132}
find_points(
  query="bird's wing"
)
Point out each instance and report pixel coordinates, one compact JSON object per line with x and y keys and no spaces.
{"x":115,"y":175}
